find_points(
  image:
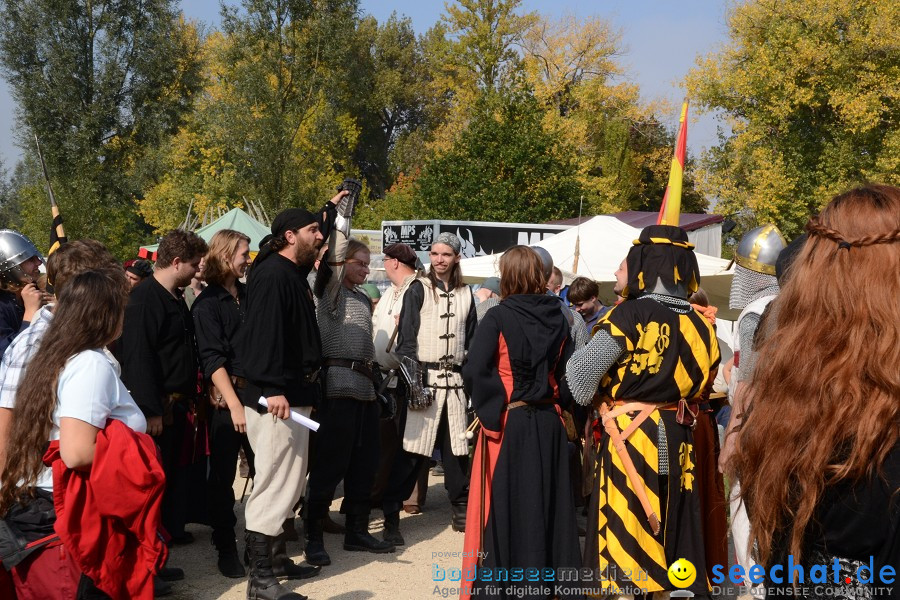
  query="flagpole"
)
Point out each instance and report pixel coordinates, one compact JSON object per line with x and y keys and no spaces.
{"x":57,"y":232}
{"x":578,"y":237}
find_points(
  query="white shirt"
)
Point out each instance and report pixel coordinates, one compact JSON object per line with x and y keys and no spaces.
{"x":90,"y":390}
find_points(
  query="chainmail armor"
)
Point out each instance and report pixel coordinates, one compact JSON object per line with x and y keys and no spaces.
{"x":662,"y":445}
{"x":588,"y":365}
{"x":346,"y":332}
{"x":747,"y":331}
{"x":677,"y":305}
{"x":747,"y":286}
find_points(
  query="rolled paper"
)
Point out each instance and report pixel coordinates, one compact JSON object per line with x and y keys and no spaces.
{"x":295,"y":417}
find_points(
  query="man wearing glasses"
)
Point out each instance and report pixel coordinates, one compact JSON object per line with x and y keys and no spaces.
{"x":347,"y":446}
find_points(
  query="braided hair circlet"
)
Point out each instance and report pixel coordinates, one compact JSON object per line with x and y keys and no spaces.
{"x":816,"y":227}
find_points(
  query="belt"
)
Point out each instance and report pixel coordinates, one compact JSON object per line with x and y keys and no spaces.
{"x":611,"y":409}
{"x":363,"y":367}
{"x":443,"y":366}
{"x":238,"y":382}
{"x":520,"y":403}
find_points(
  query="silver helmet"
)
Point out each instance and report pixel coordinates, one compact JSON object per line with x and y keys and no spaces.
{"x":15,"y":249}
{"x":759,"y":249}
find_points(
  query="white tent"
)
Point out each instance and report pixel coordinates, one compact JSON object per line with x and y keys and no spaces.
{"x":603,"y":242}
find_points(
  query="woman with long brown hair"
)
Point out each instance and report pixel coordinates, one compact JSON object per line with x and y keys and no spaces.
{"x":522,"y":511}
{"x":818,"y":453}
{"x":68,"y":392}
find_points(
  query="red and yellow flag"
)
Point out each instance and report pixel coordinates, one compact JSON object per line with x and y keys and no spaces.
{"x":671,"y":204}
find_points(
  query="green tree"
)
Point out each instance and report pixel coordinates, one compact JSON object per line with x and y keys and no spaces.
{"x":99,"y":82}
{"x":272,"y":124}
{"x":504,"y":167}
{"x":387,"y":95}
{"x":810,"y":91}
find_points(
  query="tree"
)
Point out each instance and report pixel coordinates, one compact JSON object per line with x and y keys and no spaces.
{"x":272,"y":124}
{"x":387,"y":95}
{"x":504,"y":167}
{"x":622,"y":151}
{"x":99,"y":82}
{"x":811,"y":93}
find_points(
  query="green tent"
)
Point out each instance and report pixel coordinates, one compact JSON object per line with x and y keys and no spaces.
{"x":235,"y":219}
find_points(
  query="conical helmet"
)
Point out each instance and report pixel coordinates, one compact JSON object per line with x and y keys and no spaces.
{"x":759,"y":249}
{"x":15,"y":249}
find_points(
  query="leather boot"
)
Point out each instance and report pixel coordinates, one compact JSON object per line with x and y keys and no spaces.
{"x":315,"y":544}
{"x":458,"y":518}
{"x":229,"y":564}
{"x":358,"y":538}
{"x":283,"y":566}
{"x":392,"y":533}
{"x":262,"y":584}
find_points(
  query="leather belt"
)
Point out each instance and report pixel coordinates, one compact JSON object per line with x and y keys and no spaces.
{"x":442,"y":366}
{"x":521,"y":403}
{"x":363,"y":367}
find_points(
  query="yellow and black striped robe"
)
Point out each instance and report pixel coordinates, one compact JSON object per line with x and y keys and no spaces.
{"x":668,"y":356}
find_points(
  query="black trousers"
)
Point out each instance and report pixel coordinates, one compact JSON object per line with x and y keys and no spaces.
{"x":408,"y":465}
{"x":171,"y":444}
{"x":347,"y":447}
{"x":224,"y":445}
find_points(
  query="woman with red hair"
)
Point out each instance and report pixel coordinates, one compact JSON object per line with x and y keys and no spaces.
{"x":819,"y":450}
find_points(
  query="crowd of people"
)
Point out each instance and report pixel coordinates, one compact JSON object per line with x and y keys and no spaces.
{"x":129,"y":392}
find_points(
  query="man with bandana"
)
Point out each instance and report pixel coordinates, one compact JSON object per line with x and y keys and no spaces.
{"x":437,"y":322}
{"x":651,"y":360}
{"x":281,"y":350}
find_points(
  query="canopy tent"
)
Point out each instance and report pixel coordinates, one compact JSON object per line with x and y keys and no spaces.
{"x":235,"y":219}
{"x":603,"y":242}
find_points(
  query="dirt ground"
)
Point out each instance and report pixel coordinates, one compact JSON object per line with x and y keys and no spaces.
{"x":405,"y":575}
{"x":408,"y":574}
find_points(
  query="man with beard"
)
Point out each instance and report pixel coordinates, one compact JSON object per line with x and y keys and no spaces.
{"x":159,"y":361}
{"x":281,"y":350}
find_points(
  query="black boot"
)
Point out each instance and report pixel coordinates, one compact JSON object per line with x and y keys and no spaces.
{"x":229,"y":564}
{"x":283,"y":566}
{"x":329,"y":526}
{"x":392,"y":529}
{"x":358,"y":538}
{"x":289,"y":531}
{"x":315,"y":544}
{"x":458,"y":519}
{"x":262,"y":584}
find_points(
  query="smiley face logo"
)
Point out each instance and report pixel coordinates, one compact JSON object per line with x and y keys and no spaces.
{"x":682,"y":573}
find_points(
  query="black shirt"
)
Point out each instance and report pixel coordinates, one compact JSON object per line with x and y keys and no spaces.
{"x":858,"y":522}
{"x":11,"y":324}
{"x":411,"y":319}
{"x":157,"y":348}
{"x":217,"y":318}
{"x":279,"y":343}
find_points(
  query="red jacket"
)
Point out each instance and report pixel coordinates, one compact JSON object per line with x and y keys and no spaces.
{"x":108,"y":518}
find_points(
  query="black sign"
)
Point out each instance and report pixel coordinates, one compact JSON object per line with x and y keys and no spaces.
{"x":478,"y":238}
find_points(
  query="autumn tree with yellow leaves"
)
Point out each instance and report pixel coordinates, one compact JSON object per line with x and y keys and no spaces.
{"x":810,"y":93}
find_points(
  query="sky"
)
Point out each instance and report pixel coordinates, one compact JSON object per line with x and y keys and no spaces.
{"x":662,"y":39}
